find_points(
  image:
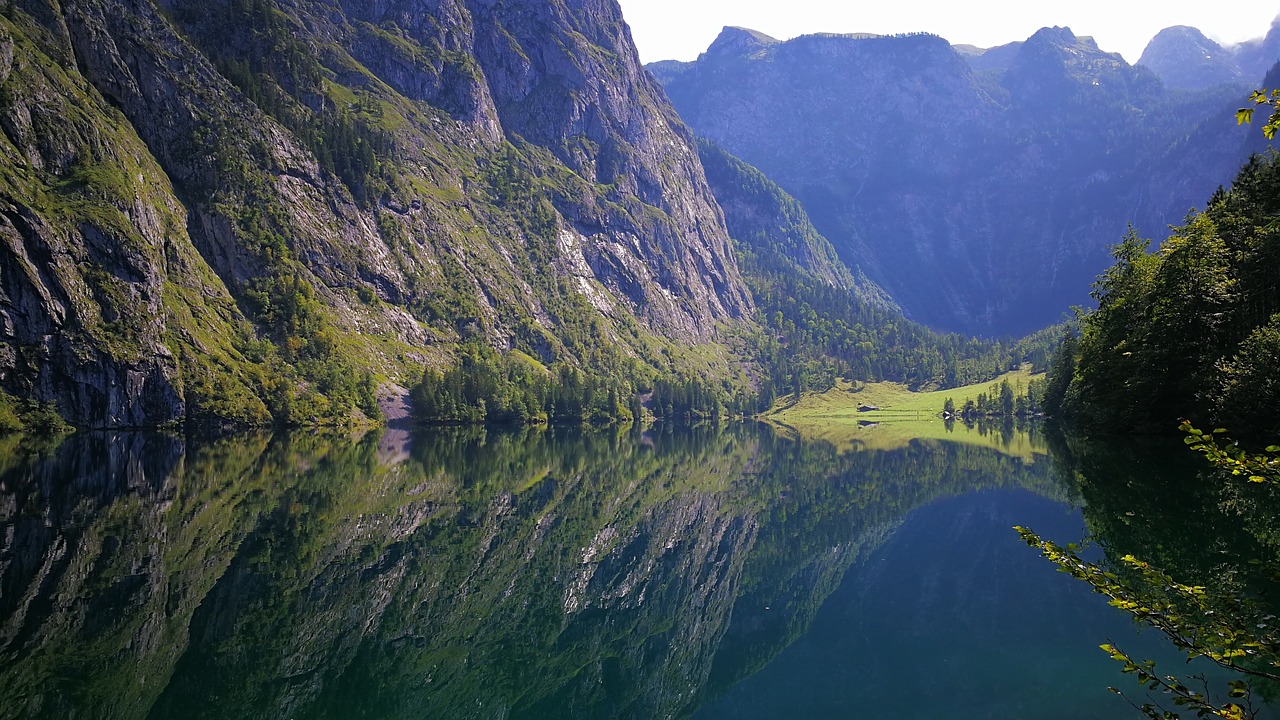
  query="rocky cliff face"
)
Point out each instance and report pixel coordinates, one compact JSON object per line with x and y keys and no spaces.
{"x":982,"y":189}
{"x":90,"y":239}
{"x":231,"y":209}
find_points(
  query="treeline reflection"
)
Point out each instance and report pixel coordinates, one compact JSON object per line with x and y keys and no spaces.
{"x":461,"y":573}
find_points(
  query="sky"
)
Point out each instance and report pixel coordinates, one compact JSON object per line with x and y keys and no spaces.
{"x":681,"y":29}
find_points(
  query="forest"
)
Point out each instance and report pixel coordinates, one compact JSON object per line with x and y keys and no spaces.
{"x":1190,"y":330}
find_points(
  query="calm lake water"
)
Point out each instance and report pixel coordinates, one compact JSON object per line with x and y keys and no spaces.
{"x":704,"y":573}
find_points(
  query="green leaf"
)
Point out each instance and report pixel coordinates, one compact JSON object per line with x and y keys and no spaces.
{"x":1244,"y":116}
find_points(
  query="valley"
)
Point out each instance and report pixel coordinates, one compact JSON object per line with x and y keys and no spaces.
{"x":442,"y":358}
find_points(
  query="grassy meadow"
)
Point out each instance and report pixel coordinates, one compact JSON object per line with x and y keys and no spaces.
{"x":902,"y":416}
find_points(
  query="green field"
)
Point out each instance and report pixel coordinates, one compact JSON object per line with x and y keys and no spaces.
{"x":902,"y":416}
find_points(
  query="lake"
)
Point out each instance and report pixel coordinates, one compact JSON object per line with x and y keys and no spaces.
{"x":701,"y":572}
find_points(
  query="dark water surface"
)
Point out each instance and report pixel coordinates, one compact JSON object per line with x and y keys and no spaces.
{"x":707,"y":573}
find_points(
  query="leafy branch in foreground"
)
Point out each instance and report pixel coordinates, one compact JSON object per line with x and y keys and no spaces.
{"x":1265,"y":98}
{"x":1227,"y":629}
{"x":1224,"y":626}
{"x":1258,"y":467}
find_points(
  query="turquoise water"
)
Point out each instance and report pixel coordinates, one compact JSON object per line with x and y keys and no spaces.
{"x":706,"y":573}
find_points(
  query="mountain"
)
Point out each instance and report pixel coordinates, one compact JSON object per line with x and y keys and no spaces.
{"x":980,"y":189}
{"x":1183,"y":58}
{"x":996,"y":58}
{"x":256,"y":210}
{"x":1258,"y":56}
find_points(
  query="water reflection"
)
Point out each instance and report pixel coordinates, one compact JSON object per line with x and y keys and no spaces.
{"x":459,"y":573}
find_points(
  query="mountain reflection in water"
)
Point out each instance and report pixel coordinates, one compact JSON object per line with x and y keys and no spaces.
{"x":466,"y":573}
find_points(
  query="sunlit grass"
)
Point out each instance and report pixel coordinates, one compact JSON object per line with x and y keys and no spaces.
{"x":902,"y":416}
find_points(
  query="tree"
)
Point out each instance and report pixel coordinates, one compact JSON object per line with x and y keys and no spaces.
{"x":1167,"y":339}
{"x":1006,"y":399}
{"x":1263,"y":98}
{"x":1061,"y":371}
{"x":1200,"y":313}
{"x":1231,"y":630}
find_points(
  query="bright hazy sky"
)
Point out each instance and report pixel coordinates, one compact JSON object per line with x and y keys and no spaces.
{"x":680,"y":29}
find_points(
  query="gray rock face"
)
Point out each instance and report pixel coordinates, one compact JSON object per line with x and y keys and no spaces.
{"x":82,"y":273}
{"x":437,"y":67}
{"x":983,"y":200}
{"x":6,"y":55}
{"x":558,"y":96}
{"x":217,"y":194}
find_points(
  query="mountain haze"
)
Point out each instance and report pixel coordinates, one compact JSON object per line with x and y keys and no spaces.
{"x":980,"y":189}
{"x":1183,"y":58}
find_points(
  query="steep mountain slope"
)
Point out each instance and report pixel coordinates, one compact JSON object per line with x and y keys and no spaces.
{"x":103,"y":294}
{"x":212,"y":209}
{"x":981,"y":200}
{"x":1207,"y":158}
{"x":773,"y":231}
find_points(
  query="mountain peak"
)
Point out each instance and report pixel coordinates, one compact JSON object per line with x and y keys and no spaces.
{"x":1061,"y":53}
{"x":1182,"y":57}
{"x":1183,"y":32}
{"x":1060,"y":36}
{"x":739,"y":42}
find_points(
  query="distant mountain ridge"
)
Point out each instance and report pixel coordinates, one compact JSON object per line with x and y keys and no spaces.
{"x":1183,"y":58}
{"x":979,"y":188}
